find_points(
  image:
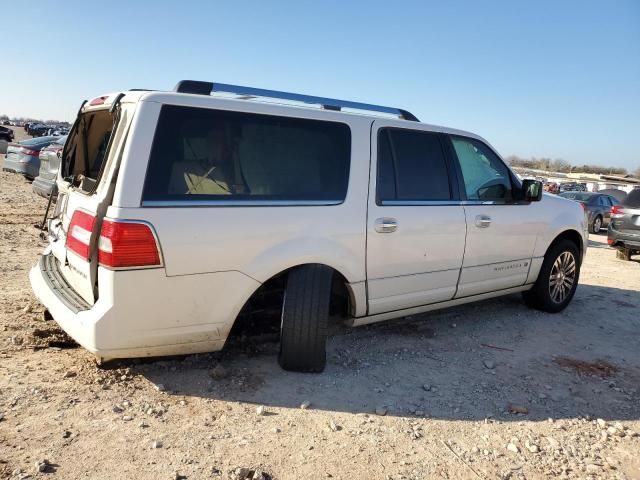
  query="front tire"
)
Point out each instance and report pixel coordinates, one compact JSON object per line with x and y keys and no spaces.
{"x":558,"y":279}
{"x":305,"y":318}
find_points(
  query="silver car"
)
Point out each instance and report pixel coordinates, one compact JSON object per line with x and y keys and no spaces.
{"x":23,"y":157}
{"x":49,"y":165}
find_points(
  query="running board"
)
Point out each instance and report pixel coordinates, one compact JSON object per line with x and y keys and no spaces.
{"x":380,"y":317}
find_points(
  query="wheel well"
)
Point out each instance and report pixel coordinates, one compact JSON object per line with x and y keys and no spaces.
{"x":572,"y":236}
{"x":260,"y":315}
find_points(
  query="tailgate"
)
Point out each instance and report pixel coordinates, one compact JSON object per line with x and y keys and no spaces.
{"x":86,"y":185}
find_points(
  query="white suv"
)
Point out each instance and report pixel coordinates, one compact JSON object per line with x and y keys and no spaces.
{"x":178,"y":210}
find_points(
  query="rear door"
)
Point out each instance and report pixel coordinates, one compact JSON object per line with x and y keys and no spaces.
{"x":85,"y":191}
{"x":416,"y":225}
{"x":501,"y":232}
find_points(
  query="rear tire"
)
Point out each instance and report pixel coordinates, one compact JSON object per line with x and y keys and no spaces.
{"x":305,"y":318}
{"x":596,"y":226}
{"x":557,"y":280}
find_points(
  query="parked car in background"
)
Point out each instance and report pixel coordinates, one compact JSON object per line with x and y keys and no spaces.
{"x":572,"y":187}
{"x":6,"y":134}
{"x":597,"y":207}
{"x":23,"y":157}
{"x":551,"y":187}
{"x":6,"y":122}
{"x":170,"y":226}
{"x":49,"y":165}
{"x":624,"y":229}
{"x":57,"y":131}
{"x":37,"y":129}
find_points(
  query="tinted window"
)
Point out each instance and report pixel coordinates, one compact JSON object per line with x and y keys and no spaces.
{"x":215,"y":155}
{"x":603,"y":201}
{"x":411,"y":166}
{"x":485,"y":176}
{"x":633,"y":199}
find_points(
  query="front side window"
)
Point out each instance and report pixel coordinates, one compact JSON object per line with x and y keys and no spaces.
{"x":203,"y":154}
{"x":485,"y":176}
{"x":411,"y":166}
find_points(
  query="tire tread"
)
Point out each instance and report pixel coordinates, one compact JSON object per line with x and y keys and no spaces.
{"x":305,"y":316}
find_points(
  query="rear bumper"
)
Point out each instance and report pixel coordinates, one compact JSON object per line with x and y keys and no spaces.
{"x":78,"y":320}
{"x":617,"y":238}
{"x":144,"y":313}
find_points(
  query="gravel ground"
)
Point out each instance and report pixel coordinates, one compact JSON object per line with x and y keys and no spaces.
{"x":490,"y":390}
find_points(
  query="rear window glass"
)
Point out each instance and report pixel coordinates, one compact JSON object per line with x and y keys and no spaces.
{"x":633,"y":199}
{"x":203,"y":154}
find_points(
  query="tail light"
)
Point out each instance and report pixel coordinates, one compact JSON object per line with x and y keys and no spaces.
{"x":583,"y":205}
{"x":127,"y":244}
{"x":29,"y":151}
{"x":617,"y":210}
{"x":79,"y":234}
{"x":610,"y":241}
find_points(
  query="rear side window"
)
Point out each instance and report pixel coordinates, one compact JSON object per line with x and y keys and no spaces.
{"x":203,"y":154}
{"x":411,"y":166}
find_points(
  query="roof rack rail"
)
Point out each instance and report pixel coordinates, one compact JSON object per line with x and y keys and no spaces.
{"x":207,"y":88}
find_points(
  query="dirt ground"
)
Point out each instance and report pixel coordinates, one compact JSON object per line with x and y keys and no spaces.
{"x":490,"y":390}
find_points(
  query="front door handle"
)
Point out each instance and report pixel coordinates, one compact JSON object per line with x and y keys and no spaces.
{"x":386,"y":225}
{"x":483,"y":221}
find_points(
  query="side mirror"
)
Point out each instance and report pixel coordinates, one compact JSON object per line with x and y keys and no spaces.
{"x":532,"y":190}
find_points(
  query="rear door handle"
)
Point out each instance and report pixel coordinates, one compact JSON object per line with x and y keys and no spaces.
{"x":483,"y":221}
{"x":386,"y":225}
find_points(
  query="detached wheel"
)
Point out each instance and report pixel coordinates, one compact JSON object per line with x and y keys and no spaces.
{"x":558,"y":279}
{"x":596,"y":226}
{"x":305,"y":316}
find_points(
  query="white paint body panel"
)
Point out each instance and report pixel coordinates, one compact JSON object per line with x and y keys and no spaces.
{"x":497,"y":256}
{"x":216,"y":257}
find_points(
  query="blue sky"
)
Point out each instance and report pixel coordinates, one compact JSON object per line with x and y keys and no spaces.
{"x":545,"y":78}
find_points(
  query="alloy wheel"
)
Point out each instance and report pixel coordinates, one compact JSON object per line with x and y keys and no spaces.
{"x":597,"y":223}
{"x":563,"y":276}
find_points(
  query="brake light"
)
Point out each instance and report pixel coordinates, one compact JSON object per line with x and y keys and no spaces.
{"x":127,"y":244}
{"x":583,"y":205}
{"x":610,"y":241}
{"x":617,"y":210}
{"x":29,"y":151}
{"x":79,"y":234}
{"x":98,"y":100}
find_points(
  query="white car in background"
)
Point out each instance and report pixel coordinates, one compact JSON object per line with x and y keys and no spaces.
{"x":177,"y":210}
